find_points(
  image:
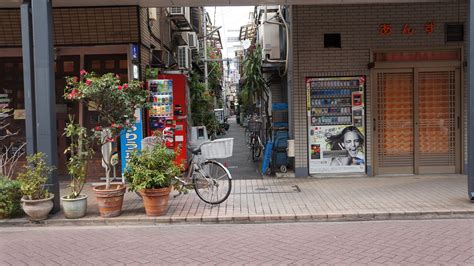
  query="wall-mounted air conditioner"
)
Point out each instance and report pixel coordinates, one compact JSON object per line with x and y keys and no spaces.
{"x":192,"y":40}
{"x":184,"y":57}
{"x":160,"y":58}
{"x":181,"y":16}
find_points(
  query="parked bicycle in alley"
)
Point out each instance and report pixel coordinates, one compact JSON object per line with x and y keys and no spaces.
{"x":252,"y":134}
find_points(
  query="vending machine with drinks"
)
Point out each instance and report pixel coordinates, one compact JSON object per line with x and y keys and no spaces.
{"x":336,"y":124}
{"x":168,"y":112}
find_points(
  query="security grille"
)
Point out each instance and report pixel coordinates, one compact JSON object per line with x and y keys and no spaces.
{"x":437,"y":118}
{"x":395,"y":120}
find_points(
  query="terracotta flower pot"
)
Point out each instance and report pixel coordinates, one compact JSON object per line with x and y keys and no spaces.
{"x":37,"y":210}
{"x":110,"y":200}
{"x":156,"y":200}
{"x":75,"y":208}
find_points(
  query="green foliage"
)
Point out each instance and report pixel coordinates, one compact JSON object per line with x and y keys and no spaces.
{"x":10,"y":196}
{"x":202,"y":106}
{"x":35,"y":176}
{"x":215,"y":72}
{"x":80,"y":151}
{"x":255,"y":84}
{"x":152,"y":169}
{"x":115,"y":102}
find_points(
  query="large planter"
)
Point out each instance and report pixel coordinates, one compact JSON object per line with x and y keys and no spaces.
{"x":110,"y":200}
{"x":37,"y":210}
{"x":74,"y":208}
{"x":156,"y":200}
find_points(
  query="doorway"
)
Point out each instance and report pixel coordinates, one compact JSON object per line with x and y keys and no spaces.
{"x":417,"y":121}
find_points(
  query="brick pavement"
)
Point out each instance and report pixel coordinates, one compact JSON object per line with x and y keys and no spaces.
{"x":270,"y":199}
{"x":420,"y":242}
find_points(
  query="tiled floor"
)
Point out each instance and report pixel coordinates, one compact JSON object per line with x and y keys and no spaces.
{"x":304,"y":199}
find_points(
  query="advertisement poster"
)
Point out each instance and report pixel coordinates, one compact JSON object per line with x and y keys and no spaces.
{"x":336,"y":126}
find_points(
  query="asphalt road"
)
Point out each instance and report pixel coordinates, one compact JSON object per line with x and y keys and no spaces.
{"x":378,"y":242}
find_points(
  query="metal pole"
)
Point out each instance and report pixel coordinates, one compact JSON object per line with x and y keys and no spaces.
{"x":470,"y":178}
{"x":206,"y":81}
{"x":45,"y":85}
{"x":28,"y":77}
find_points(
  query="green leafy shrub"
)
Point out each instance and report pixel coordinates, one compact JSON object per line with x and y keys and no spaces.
{"x":152,"y":169}
{"x":10,"y":196}
{"x":34,"y":177}
{"x":80,"y":151}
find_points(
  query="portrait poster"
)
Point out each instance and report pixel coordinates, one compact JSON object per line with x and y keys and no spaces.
{"x":337,"y":149}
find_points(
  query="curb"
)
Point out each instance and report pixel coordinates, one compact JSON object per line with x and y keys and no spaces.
{"x":239,"y":219}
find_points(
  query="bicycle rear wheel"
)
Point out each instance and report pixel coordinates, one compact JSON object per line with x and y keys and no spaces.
{"x":256,"y":150}
{"x":212,"y":182}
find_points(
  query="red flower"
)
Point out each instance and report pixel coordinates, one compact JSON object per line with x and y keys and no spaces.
{"x":75,"y":79}
{"x":83,"y":72}
{"x":72,"y":94}
{"x":119,"y":126}
{"x":112,"y":125}
{"x":125,"y":86}
{"x":119,"y":87}
{"x":98,"y":128}
{"x":110,"y":139}
{"x":88,"y":82}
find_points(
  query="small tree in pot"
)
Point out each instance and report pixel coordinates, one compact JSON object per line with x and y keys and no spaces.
{"x":80,"y":151}
{"x":116,"y":104}
{"x":152,"y":173}
{"x":37,"y":201}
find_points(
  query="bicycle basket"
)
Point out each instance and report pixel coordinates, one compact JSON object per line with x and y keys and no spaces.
{"x":218,"y":149}
{"x":149,"y":142}
{"x":254,"y":125}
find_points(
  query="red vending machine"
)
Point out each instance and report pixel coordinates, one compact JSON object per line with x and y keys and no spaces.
{"x":169,"y":111}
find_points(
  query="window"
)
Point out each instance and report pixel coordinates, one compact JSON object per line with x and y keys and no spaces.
{"x":332,"y":40}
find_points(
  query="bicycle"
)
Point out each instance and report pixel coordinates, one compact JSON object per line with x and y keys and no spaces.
{"x":210,"y":179}
{"x":254,"y":140}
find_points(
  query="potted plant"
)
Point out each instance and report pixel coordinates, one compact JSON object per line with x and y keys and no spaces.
{"x":80,"y":151}
{"x":116,"y":104}
{"x":10,"y":197}
{"x":37,"y":202}
{"x":152,"y":173}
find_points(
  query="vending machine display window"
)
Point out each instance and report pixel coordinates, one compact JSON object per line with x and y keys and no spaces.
{"x":336,"y":127}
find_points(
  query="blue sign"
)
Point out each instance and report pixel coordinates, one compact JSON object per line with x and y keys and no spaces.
{"x":131,"y":139}
{"x":134,"y":51}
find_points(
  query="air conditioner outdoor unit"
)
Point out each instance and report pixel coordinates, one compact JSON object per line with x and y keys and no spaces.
{"x":160,"y":58}
{"x":184,"y":57}
{"x":192,"y":40}
{"x":181,"y":16}
{"x":176,"y":11}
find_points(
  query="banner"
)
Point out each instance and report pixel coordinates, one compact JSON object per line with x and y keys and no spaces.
{"x":131,"y":139}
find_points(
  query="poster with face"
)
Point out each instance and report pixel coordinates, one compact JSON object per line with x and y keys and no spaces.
{"x":337,"y":149}
{"x":336,"y":124}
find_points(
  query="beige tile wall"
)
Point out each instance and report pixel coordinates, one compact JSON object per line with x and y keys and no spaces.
{"x":358,"y":26}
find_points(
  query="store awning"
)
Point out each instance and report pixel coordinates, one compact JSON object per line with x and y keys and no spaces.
{"x":168,"y":3}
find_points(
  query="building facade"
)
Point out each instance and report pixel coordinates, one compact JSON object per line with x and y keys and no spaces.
{"x":396,"y":72}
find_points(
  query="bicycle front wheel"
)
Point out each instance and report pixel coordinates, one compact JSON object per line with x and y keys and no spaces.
{"x":212,"y":182}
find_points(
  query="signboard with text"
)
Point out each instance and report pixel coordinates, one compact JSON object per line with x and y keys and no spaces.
{"x":131,"y":139}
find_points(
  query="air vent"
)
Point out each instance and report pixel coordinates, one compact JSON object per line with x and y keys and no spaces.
{"x":332,"y":40}
{"x":454,"y":32}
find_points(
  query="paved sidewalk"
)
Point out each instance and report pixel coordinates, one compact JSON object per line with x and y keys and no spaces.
{"x":270,"y":199}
